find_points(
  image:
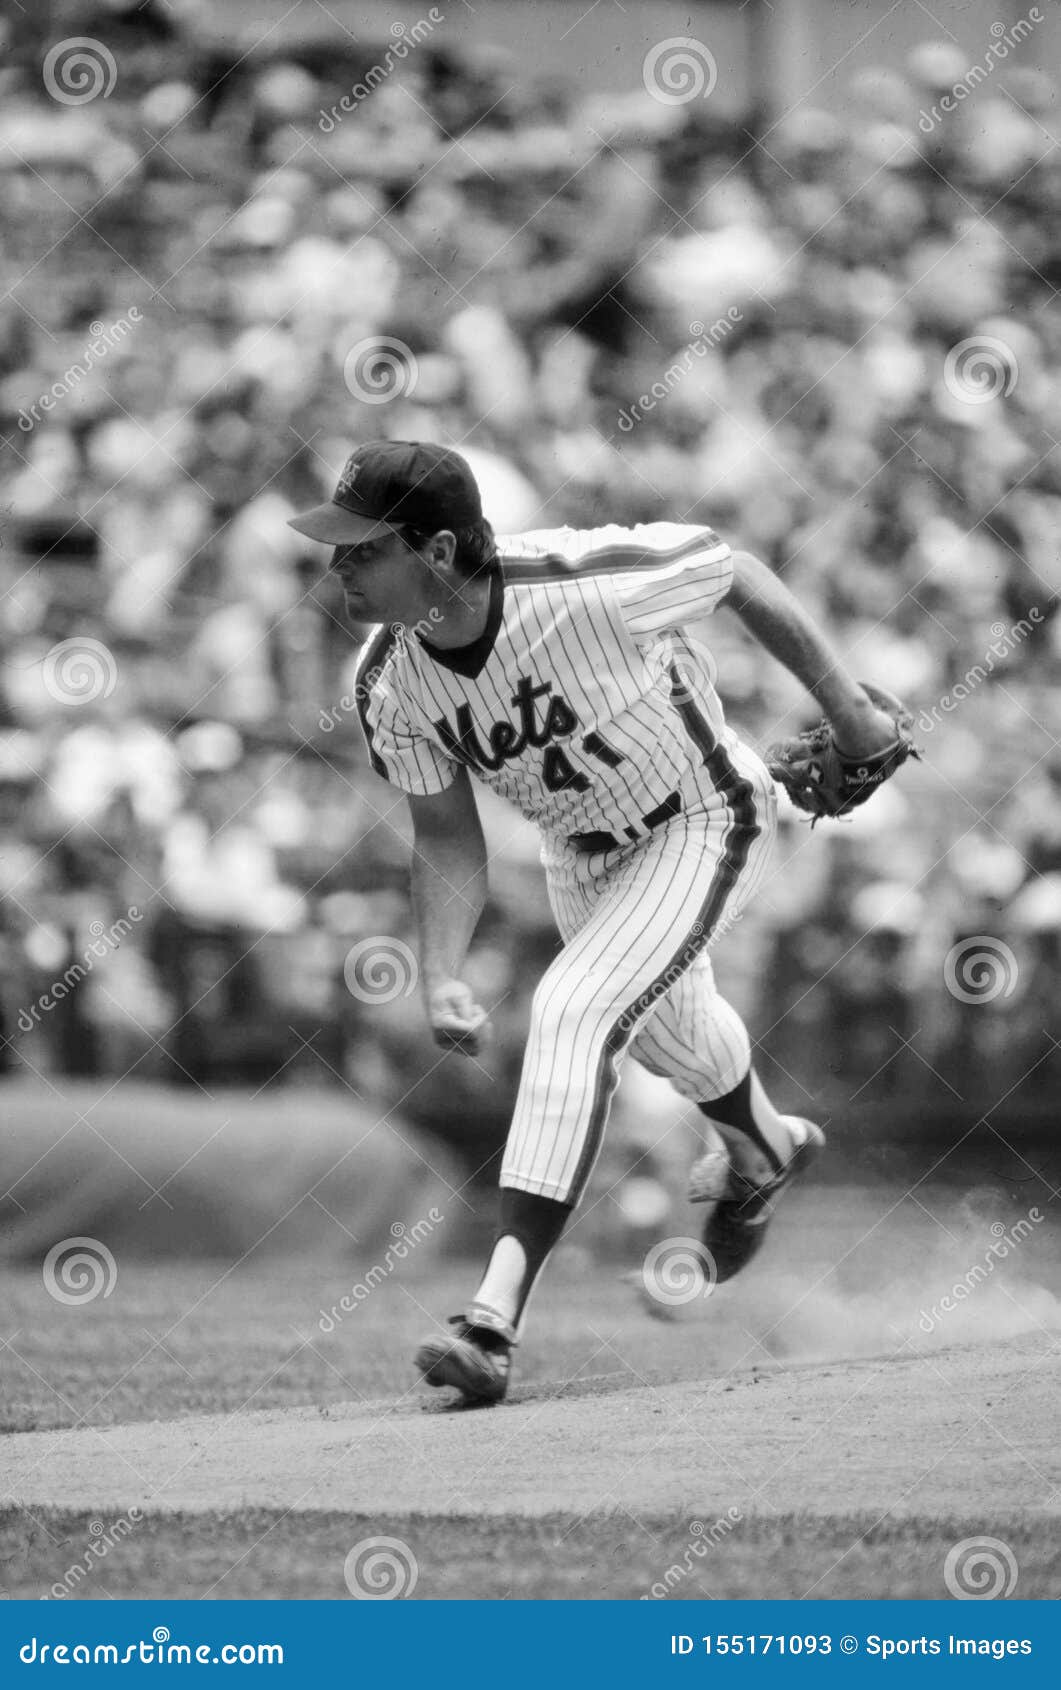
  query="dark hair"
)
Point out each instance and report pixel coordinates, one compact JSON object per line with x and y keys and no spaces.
{"x":476,"y":546}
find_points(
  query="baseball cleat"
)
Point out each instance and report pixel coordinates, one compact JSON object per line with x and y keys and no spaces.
{"x":735,"y":1228}
{"x":469,"y":1358}
{"x":709,"y":1177}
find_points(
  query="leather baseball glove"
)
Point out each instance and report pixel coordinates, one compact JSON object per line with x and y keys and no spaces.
{"x":822,"y":780}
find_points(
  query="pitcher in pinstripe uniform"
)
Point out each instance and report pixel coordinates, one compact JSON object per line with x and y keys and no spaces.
{"x":560,"y":671}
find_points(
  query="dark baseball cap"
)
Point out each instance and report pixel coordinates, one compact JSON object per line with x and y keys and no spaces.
{"x":388,"y":482}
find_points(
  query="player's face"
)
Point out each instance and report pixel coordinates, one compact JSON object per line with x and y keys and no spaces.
{"x":383,"y":580}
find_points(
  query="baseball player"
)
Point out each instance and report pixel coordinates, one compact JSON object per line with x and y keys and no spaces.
{"x":557,"y":667}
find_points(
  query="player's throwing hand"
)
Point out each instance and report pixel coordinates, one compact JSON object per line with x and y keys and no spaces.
{"x":457,"y":1021}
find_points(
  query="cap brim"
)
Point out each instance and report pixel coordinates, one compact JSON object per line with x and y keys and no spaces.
{"x":333,"y":525}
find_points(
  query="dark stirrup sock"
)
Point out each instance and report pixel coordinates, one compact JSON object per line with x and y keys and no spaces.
{"x":735,"y":1110}
{"x":530,"y":1226}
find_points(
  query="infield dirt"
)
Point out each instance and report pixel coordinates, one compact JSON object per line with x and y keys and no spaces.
{"x":849,"y":1435}
{"x":888,"y":1437}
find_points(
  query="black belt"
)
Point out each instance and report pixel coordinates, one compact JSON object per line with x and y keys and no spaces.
{"x":590,"y":842}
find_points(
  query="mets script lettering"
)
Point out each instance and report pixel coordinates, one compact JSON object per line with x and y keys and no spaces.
{"x":507,"y":740}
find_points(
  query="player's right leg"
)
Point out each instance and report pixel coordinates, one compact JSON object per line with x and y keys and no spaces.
{"x":699,"y":1042}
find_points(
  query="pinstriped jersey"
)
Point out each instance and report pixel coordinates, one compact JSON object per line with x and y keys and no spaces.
{"x":587,"y":701}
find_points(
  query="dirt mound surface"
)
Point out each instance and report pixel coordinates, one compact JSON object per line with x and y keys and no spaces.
{"x":908,"y":1436}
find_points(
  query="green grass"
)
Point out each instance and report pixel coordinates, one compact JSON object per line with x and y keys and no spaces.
{"x":197,"y":1338}
{"x":178,"y":1339}
{"x":264,"y":1554}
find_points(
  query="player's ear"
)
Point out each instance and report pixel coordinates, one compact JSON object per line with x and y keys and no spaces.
{"x":442,"y":549}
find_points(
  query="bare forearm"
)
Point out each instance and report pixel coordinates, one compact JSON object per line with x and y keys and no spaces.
{"x":449,"y":883}
{"x":783,"y":628}
{"x":449,"y":891}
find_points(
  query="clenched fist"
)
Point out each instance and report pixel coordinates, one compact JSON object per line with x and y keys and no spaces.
{"x":457,"y":1021}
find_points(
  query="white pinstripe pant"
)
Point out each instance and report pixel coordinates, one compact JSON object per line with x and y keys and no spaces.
{"x":634,"y":976}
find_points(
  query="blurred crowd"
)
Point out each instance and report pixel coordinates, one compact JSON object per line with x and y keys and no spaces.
{"x":839,"y":346}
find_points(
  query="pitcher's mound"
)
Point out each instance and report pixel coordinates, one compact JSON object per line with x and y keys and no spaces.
{"x":898,"y":1437}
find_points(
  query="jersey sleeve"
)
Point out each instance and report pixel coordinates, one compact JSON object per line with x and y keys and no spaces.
{"x":404,"y":757}
{"x":672,"y":574}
